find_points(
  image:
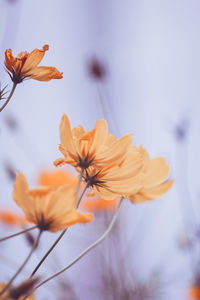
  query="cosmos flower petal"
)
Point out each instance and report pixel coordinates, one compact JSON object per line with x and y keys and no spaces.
{"x":20,"y":191}
{"x":66,"y":135}
{"x":137,"y":198}
{"x":61,"y":161}
{"x":33,"y":59}
{"x":9,"y":59}
{"x":157,"y":191}
{"x":114,"y":151}
{"x":151,"y":193}
{"x":71,"y":219}
{"x":44,"y":73}
{"x":100,"y":135}
{"x":157,"y":172}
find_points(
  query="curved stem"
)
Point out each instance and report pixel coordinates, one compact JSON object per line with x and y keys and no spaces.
{"x":18,"y":233}
{"x":104,"y":235}
{"x":9,"y":97}
{"x":22,"y":266}
{"x":58,"y":239}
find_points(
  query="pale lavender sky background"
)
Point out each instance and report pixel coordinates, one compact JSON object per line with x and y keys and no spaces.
{"x":151,"y":50}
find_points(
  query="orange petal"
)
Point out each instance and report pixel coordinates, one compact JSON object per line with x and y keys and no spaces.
{"x":66,"y":135}
{"x":60,"y":162}
{"x":20,"y":190}
{"x":100,"y":135}
{"x":44,"y":73}
{"x":157,"y":191}
{"x":9,"y":59}
{"x":69,"y":219}
{"x":137,"y":198}
{"x":157,"y":172}
{"x":33,"y":59}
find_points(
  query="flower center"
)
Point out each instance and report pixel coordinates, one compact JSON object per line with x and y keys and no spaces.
{"x":85,"y":162}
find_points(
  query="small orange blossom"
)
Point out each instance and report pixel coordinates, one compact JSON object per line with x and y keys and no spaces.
{"x":51,"y":208}
{"x":26,"y":65}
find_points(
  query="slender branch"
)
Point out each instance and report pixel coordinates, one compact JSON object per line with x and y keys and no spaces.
{"x":104,"y":235}
{"x":58,"y":239}
{"x":79,"y":181}
{"x":18,"y":233}
{"x":22,"y":266}
{"x":9,"y":97}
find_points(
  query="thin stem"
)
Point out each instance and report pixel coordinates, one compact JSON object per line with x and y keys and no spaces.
{"x":79,"y":181}
{"x":22,"y":266}
{"x":9,"y":97}
{"x":104,"y":235}
{"x":18,"y":233}
{"x":59,"y":238}
{"x":82,"y":193}
{"x":48,"y":252}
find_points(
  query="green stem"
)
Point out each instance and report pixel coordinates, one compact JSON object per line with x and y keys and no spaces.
{"x":104,"y":235}
{"x":9,"y":97}
{"x":59,"y":238}
{"x":18,"y":233}
{"x":22,"y":266}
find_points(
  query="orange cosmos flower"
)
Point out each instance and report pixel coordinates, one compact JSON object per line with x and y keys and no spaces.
{"x":8,"y":295}
{"x":116,"y":180}
{"x":154,"y":183}
{"x":51,"y":208}
{"x":96,"y":147}
{"x":26,"y":65}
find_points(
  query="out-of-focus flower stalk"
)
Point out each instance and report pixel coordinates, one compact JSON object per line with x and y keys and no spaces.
{"x":22,"y":266}
{"x":104,"y":235}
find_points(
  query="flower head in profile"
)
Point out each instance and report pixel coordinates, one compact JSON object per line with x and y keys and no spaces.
{"x":50,"y":208}
{"x":25,"y":65}
{"x":154,"y":179}
{"x":96,"y":147}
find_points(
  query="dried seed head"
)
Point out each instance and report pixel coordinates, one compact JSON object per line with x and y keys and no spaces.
{"x":96,"y":69}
